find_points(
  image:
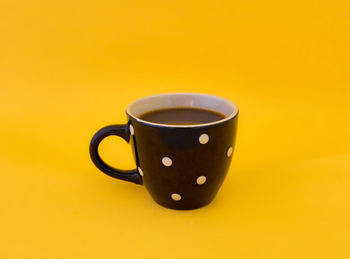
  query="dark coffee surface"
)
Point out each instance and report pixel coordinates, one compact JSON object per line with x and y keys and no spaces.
{"x":182,"y":116}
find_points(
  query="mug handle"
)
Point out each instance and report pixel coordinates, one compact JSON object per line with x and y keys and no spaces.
{"x":112,"y":130}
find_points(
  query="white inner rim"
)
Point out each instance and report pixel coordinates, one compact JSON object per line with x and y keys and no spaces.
{"x":163,"y":101}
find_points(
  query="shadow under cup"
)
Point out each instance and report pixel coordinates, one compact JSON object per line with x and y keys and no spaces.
{"x":181,"y":166}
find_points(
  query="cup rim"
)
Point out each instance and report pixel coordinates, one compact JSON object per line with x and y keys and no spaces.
{"x":226,"y":101}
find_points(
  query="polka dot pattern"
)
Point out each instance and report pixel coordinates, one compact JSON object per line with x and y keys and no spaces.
{"x":176,"y":196}
{"x":204,"y":138}
{"x":229,"y":152}
{"x":131,"y":128}
{"x":201,"y":179}
{"x":167,"y":161}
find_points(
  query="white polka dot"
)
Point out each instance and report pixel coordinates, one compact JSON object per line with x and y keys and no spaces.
{"x":167,"y":161}
{"x":140,"y":171}
{"x":229,"y":152}
{"x":204,"y":138}
{"x":201,"y":179}
{"x":176,"y":196}
{"x":131,"y":128}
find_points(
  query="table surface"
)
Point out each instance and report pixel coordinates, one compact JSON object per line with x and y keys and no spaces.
{"x":68,"y":68}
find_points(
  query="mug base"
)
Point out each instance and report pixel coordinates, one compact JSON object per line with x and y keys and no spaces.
{"x":180,"y":206}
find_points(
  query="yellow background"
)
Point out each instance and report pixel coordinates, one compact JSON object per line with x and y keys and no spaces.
{"x":68,"y":68}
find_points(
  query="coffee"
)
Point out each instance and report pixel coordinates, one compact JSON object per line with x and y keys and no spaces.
{"x":182,"y":116}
